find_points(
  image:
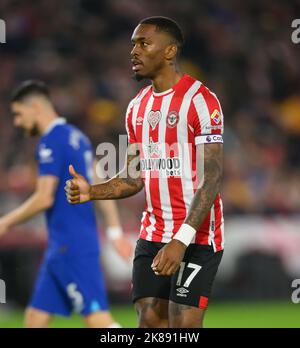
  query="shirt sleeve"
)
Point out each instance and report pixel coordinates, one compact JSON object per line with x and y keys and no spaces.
{"x":208,"y":120}
{"x":129,"y":125}
{"x":49,"y":158}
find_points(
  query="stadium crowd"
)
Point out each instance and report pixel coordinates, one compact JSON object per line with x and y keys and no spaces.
{"x":241,"y":50}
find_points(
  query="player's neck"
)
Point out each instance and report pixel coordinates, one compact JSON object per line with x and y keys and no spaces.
{"x":46,"y":121}
{"x":166,"y":79}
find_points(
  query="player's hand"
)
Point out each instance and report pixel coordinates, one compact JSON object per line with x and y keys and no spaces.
{"x":123,"y":247}
{"x":168,"y":259}
{"x":3,"y":227}
{"x":77,"y":189}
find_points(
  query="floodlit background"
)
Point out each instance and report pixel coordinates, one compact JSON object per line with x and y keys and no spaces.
{"x":242,"y":51}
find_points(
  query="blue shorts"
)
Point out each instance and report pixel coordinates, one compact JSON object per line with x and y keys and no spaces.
{"x":65,"y":285}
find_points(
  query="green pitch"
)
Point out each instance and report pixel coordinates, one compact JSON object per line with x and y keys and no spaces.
{"x":228,"y":315}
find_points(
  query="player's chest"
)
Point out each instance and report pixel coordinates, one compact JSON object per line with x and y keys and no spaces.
{"x":167,"y":125}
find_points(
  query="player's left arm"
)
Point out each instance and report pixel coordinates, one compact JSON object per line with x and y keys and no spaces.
{"x":210,"y":158}
{"x":207,"y":192}
{"x":41,"y":199}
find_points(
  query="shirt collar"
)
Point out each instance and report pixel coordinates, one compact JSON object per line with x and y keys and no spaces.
{"x":172,"y":89}
{"x":53,"y":124}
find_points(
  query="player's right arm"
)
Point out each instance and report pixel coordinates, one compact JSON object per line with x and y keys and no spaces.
{"x":126,"y":183}
{"x":110,"y":214}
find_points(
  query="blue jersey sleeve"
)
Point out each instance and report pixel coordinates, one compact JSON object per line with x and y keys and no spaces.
{"x":50,"y":158}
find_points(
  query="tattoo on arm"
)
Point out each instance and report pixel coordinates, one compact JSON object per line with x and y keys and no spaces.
{"x":127,"y":183}
{"x":206,"y":194}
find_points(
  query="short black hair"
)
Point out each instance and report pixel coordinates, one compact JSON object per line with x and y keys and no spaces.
{"x":30,"y":88}
{"x":167,"y":25}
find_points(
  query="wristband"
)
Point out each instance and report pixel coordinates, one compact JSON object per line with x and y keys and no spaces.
{"x":185,"y":234}
{"x":114,"y":232}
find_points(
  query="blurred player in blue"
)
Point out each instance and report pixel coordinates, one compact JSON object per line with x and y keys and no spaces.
{"x":70,"y":277}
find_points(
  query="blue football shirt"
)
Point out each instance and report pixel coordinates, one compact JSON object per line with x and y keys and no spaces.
{"x":72,"y":229}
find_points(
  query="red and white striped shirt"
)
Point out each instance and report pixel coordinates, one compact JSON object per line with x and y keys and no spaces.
{"x":168,"y":126}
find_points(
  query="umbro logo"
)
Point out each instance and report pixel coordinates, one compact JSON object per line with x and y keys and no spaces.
{"x":139,"y":121}
{"x":182,"y":292}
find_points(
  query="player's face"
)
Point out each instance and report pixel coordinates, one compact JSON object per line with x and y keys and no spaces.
{"x":148,"y":51}
{"x":25,"y":117}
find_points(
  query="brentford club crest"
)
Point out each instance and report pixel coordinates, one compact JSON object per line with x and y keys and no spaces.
{"x":172,"y":119}
{"x":153,"y":118}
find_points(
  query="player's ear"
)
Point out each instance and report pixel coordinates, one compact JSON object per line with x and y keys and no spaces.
{"x":171,"y":51}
